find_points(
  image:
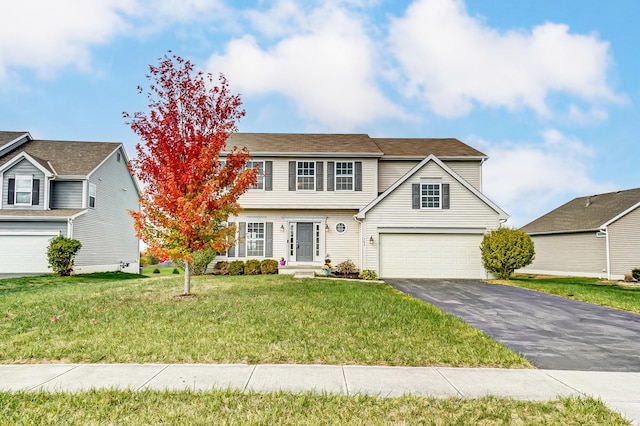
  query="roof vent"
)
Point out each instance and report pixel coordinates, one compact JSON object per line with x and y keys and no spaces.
{"x":588,"y":202}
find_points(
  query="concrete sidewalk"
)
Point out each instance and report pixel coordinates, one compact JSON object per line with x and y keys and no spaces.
{"x":620,"y":391}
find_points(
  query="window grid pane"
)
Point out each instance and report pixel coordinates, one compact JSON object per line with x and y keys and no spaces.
{"x":260,"y":176}
{"x":306,"y":175}
{"x":23,"y":190}
{"x":255,"y":239}
{"x":344,"y":175}
{"x":431,"y":195}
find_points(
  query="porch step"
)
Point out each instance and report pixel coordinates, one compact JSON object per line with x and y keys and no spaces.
{"x":305,"y":271}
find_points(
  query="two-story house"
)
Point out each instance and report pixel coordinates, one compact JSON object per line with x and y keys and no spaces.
{"x":400,"y":207}
{"x":82,"y":190}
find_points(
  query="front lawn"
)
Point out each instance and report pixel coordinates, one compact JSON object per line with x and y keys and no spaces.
{"x":117,"y":317}
{"x":235,"y":407}
{"x":592,"y":290}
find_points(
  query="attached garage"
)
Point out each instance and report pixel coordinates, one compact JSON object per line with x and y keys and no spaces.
{"x":24,"y":253}
{"x":404,"y":255}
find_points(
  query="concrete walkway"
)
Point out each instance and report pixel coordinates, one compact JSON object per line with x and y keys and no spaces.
{"x":619,"y":390}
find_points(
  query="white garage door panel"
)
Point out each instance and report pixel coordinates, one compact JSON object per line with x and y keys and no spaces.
{"x":24,"y":253}
{"x":430,"y":256}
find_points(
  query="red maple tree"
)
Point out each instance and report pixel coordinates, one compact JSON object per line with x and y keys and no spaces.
{"x":188,"y":191}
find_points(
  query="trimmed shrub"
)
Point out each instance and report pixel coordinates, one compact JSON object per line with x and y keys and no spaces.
{"x":236,"y":267}
{"x":269,"y":266}
{"x":201,"y":259}
{"x":221,"y":268}
{"x":156,"y":271}
{"x":345,"y":268}
{"x":368,"y":274}
{"x":636,"y":273}
{"x":252,"y":267}
{"x":61,"y":253}
{"x":504,"y":250}
{"x":175,"y":271}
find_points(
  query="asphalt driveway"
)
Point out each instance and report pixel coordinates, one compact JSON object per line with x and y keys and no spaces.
{"x":550,"y":331}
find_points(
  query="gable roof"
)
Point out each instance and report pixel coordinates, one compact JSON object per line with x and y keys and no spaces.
{"x":422,"y":147}
{"x":64,"y":158}
{"x":294,"y":144}
{"x":502,"y":214}
{"x":589,"y":213}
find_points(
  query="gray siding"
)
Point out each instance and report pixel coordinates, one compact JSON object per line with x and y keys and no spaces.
{"x":580,"y":254}
{"x":24,"y":167}
{"x":55,"y":227}
{"x":389,"y":171}
{"x":106,"y":231}
{"x":624,"y":243}
{"x":66,"y":195}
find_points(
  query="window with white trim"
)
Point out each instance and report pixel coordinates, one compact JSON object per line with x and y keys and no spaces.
{"x":341,"y":227}
{"x":255,"y":239}
{"x":259,"y":176}
{"x":24,"y":186}
{"x":344,"y":176}
{"x":92,"y":195}
{"x":306,"y":176}
{"x":430,"y":195}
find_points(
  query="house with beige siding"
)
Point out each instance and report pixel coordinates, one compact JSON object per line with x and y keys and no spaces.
{"x":409,"y":208}
{"x":593,"y":236}
{"x":82,"y":190}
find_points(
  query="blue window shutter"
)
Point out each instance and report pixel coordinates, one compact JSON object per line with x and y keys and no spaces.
{"x":330,"y":175}
{"x":11,"y":199}
{"x":268,"y":243}
{"x":415,"y":196}
{"x":268,"y":175}
{"x":319,"y":175}
{"x":35,"y":193}
{"x":292,"y":175}
{"x":242,"y":242}
{"x":358,"y":176}
{"x":445,"y":196}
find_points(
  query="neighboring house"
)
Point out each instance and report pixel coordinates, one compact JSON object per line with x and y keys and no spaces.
{"x":593,"y":236}
{"x":81,"y":190}
{"x":400,"y":207}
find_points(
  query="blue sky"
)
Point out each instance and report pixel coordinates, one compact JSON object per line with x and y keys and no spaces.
{"x":549,"y":89}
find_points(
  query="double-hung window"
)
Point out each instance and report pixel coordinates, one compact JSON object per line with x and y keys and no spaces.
{"x":344,"y":176}
{"x":430,"y":195}
{"x":306,"y":175}
{"x":259,"y":176}
{"x":255,"y":239}
{"x":24,"y":186}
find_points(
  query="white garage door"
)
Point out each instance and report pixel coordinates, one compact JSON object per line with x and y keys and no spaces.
{"x":24,"y":253}
{"x":431,"y":256}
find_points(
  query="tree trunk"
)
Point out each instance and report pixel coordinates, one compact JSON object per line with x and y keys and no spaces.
{"x":187,"y":277}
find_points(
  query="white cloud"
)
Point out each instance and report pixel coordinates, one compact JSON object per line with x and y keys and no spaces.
{"x":530,"y":179}
{"x":323,"y":61}
{"x":46,"y":36}
{"x":455,"y":62}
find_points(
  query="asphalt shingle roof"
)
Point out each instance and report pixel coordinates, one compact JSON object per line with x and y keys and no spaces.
{"x":422,"y":147}
{"x":585,"y":213}
{"x":65,"y":157}
{"x":327,"y":143}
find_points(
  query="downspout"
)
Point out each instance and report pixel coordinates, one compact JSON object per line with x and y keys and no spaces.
{"x":606,"y":231}
{"x":363,"y":246}
{"x":69,"y":228}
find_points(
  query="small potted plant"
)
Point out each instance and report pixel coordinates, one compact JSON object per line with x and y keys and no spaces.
{"x":282,"y":261}
{"x":326,"y":270}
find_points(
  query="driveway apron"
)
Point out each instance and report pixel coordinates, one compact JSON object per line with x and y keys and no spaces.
{"x":550,"y":331}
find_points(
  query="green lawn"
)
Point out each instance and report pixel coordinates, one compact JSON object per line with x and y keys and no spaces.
{"x":592,"y":290}
{"x":259,"y":319}
{"x":148,"y":270}
{"x":235,"y":407}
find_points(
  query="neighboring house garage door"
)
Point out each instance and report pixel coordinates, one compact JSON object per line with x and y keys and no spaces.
{"x":24,"y":253}
{"x":430,"y":256}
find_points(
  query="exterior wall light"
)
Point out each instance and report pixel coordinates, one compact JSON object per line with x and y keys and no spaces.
{"x":371,"y":240}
